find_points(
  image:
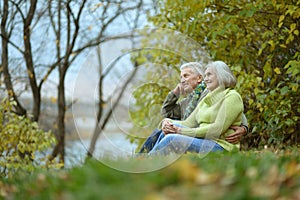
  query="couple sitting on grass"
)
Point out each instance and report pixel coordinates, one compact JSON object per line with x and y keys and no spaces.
{"x":210,"y":118}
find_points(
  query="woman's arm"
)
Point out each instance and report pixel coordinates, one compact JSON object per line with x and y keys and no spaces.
{"x":231,"y":108}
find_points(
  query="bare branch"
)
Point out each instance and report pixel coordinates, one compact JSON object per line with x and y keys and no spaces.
{"x":102,"y":125}
{"x":18,"y":8}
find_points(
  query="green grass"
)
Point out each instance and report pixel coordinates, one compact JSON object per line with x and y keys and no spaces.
{"x":241,"y":175}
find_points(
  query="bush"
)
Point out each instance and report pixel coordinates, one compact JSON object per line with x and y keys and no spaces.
{"x":22,"y":143}
{"x":259,"y":40}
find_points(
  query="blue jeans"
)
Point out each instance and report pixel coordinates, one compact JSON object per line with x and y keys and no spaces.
{"x":150,"y":141}
{"x":176,"y":143}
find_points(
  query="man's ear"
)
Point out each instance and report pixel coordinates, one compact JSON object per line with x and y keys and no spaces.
{"x":199,"y":79}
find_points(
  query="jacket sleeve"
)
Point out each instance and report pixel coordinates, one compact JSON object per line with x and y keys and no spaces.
{"x":245,"y":123}
{"x":171,"y":108}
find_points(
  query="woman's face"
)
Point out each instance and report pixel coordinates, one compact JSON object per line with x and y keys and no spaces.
{"x":211,"y":79}
{"x":189,"y":79}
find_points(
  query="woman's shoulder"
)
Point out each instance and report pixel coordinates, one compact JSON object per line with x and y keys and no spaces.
{"x":232,"y":92}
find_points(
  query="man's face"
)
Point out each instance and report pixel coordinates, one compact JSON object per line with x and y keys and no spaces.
{"x":189,"y":80}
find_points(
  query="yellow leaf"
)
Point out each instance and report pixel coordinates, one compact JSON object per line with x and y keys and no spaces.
{"x":283,"y":46}
{"x":292,"y":169}
{"x":53,"y":99}
{"x":30,"y":75}
{"x":281,"y":18}
{"x":277,"y":70}
{"x":292,"y":27}
{"x":98,"y":4}
{"x":296,"y":32}
{"x":187,"y":170}
{"x":259,"y":105}
{"x":153,"y":196}
{"x":289,"y":39}
{"x":10,"y":93}
{"x":251,"y":101}
{"x":272,"y":45}
{"x":294,"y":88}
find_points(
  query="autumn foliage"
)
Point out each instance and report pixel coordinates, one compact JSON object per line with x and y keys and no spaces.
{"x":23,"y":145}
{"x":260,"y":41}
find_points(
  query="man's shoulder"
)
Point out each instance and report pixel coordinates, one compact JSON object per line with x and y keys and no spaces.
{"x":204,"y":93}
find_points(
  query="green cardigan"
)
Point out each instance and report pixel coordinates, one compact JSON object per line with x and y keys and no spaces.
{"x":213,"y":117}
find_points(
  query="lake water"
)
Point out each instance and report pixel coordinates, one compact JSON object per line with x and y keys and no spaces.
{"x":112,"y":145}
{"x":113,"y":141}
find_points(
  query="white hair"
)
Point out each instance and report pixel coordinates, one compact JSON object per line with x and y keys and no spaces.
{"x":197,"y":68}
{"x":224,"y":74}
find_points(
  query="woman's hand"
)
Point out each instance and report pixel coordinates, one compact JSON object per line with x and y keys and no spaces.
{"x":168,"y":127}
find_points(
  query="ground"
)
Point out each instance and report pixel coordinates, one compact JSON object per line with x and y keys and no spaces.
{"x":264,"y":174}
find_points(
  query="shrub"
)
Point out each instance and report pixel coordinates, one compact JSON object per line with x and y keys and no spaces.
{"x":23,"y":144}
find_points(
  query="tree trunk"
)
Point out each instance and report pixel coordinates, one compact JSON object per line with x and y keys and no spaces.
{"x":61,"y":105}
{"x":4,"y":68}
{"x":29,"y":62}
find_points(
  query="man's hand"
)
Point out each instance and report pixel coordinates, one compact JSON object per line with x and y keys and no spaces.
{"x":235,"y":137}
{"x":178,"y":90}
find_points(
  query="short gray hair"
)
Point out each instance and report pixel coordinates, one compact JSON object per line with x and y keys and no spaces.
{"x":197,"y":68}
{"x":224,"y":74}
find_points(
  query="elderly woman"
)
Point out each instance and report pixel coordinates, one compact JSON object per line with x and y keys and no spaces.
{"x":208,"y":125}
